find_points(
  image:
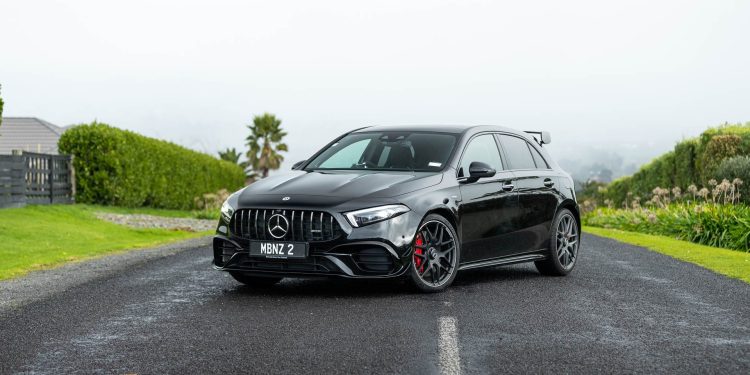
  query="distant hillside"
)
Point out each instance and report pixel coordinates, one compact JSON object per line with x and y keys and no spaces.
{"x":693,"y":161}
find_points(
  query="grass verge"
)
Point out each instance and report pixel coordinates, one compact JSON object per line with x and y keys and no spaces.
{"x":39,"y":237}
{"x":731,"y":263}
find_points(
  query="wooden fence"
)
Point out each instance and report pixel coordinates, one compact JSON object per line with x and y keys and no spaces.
{"x":31,"y":178}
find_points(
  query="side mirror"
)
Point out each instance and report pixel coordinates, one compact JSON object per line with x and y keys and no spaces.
{"x":298,"y":164}
{"x":478,"y":170}
{"x":546,"y":138}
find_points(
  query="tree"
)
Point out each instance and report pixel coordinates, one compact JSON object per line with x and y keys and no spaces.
{"x":231,"y":155}
{"x":265,"y":144}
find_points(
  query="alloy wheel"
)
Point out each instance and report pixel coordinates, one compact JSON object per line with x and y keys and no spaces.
{"x":434,"y":253}
{"x":567,"y":241}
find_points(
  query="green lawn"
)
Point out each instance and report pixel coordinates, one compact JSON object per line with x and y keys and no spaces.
{"x":37,"y":237}
{"x":732,"y":263}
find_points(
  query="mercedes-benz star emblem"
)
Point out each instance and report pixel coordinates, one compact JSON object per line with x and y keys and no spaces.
{"x":278,"y":225}
{"x":285,"y":199}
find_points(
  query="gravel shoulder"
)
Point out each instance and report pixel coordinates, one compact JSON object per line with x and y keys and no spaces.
{"x":141,"y":221}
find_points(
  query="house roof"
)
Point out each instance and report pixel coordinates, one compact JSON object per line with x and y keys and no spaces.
{"x":28,"y":134}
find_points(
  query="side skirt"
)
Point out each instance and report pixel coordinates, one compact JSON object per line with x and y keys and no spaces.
{"x":502,"y":261}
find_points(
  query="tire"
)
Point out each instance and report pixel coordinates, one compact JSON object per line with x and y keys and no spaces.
{"x":254,"y":280}
{"x":564,"y":242}
{"x":436,"y":255}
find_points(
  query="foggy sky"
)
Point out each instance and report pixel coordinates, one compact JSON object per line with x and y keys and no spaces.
{"x":631,"y":77}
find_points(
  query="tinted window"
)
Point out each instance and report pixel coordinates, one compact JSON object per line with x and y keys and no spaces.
{"x":518,"y":152}
{"x":482,"y":148}
{"x":343,"y":158}
{"x":538,"y":159}
{"x":409,"y":151}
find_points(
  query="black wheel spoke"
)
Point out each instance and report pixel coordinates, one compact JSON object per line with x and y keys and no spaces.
{"x":448,"y":251}
{"x":425,"y":268}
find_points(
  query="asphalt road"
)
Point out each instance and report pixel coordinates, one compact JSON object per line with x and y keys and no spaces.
{"x":624,"y":309}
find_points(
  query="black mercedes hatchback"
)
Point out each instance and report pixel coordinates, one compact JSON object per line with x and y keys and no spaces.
{"x":421,"y":203}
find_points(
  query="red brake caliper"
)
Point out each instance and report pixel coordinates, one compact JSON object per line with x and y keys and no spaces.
{"x":417,"y":260}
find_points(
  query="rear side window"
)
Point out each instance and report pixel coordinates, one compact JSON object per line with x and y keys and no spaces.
{"x":482,"y":148}
{"x":517,"y":150}
{"x":538,"y":159}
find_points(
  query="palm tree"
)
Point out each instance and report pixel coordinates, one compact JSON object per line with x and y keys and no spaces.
{"x":265,"y":144}
{"x":231,"y":155}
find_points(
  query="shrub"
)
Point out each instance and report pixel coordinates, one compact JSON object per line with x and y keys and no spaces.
{"x":712,"y":217}
{"x":719,"y":225}
{"x":120,"y":167}
{"x":733,"y":168}
{"x":718,"y":148}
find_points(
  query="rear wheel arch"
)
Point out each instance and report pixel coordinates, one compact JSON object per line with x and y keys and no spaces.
{"x":573,"y":207}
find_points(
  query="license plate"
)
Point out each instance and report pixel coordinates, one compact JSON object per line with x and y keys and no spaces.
{"x":278,"y":250}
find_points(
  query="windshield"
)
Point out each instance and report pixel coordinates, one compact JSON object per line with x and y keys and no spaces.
{"x":402,"y":151}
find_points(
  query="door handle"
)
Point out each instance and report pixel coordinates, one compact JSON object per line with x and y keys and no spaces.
{"x":548,"y":182}
{"x":507,"y":186}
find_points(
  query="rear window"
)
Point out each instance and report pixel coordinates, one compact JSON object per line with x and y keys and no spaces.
{"x":518,"y":152}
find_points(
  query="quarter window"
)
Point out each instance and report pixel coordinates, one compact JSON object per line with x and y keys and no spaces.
{"x":538,"y":159}
{"x":518,"y":152}
{"x":484,"y":149}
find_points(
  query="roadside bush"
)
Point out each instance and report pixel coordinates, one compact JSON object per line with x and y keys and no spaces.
{"x":711,"y":217}
{"x":717,"y":149}
{"x":717,"y":225}
{"x":122,"y":168}
{"x":736,"y":168}
{"x":693,"y":161}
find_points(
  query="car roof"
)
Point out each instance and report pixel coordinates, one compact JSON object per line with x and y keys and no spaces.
{"x":456,"y":129}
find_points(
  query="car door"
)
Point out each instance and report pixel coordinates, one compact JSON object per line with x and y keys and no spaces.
{"x":534,"y":183}
{"x":489,"y":206}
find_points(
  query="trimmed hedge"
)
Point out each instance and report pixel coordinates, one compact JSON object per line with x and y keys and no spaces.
{"x":123,"y":168}
{"x":693,"y":161}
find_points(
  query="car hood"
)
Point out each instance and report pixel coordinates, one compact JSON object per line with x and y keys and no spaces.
{"x":334,"y":187}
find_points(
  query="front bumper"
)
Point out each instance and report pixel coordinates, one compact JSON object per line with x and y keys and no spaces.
{"x":380,"y":250}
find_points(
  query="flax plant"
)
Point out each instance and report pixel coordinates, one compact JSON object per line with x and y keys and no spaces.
{"x":712,"y":215}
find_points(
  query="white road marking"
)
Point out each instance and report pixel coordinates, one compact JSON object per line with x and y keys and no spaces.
{"x":450,"y":362}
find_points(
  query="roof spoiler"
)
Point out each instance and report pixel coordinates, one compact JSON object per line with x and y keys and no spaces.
{"x":544,"y":137}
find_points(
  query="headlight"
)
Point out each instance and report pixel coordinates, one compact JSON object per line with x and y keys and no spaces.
{"x":227,"y":211}
{"x":373,"y":215}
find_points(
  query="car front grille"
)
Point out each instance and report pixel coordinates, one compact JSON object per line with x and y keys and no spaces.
{"x":302,"y":225}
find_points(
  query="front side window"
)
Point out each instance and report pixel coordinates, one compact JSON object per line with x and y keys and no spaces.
{"x":483,"y":149}
{"x":402,"y":151}
{"x":518,"y":152}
